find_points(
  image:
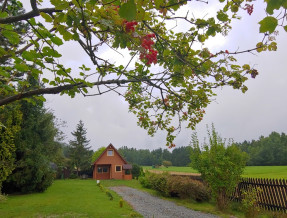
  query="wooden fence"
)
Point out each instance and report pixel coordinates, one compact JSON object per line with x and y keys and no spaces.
{"x":272,"y":195}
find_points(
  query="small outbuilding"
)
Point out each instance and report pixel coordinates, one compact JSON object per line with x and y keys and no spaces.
{"x":111,"y":165}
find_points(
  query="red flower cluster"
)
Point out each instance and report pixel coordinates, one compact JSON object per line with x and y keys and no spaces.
{"x":249,"y":8}
{"x":130,"y":26}
{"x":149,"y":53}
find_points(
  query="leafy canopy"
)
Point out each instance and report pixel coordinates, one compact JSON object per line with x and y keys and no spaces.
{"x":170,"y":77}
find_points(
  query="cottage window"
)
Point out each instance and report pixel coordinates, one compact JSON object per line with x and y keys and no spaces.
{"x":128,"y":172}
{"x":103,"y":169}
{"x":110,"y":153}
{"x":118,"y":168}
{"x":100,"y":169}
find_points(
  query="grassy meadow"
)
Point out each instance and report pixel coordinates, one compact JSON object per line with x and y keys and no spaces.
{"x":271,"y":172}
{"x":66,"y":198}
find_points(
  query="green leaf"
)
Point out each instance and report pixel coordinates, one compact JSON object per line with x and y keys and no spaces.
{"x":285,"y":28}
{"x":272,"y":46}
{"x":21,"y":67}
{"x":57,"y":40}
{"x":41,"y":98}
{"x":128,"y":10}
{"x":272,"y":5}
{"x":211,"y":31}
{"x":30,"y":55}
{"x":3,"y":14}
{"x":44,"y":80}
{"x":140,"y":14}
{"x":159,"y":3}
{"x":234,"y":8}
{"x":222,"y":16}
{"x":268,"y":24}
{"x":4,"y":73}
{"x":259,"y":46}
{"x":60,"y":5}
{"x":46,"y":17}
{"x":246,"y":67}
{"x":33,"y":21}
{"x":201,"y":38}
{"x":67,"y":35}
{"x":12,"y":37}
{"x":2,"y":51}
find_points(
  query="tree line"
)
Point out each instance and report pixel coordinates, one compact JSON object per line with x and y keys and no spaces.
{"x":144,"y":157}
{"x":266,"y":151}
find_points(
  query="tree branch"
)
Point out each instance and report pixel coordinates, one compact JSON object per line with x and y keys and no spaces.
{"x":4,"y":6}
{"x":27,"y":16}
{"x":58,"y":89}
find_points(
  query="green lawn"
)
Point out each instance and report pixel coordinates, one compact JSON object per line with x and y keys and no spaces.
{"x":271,"y":172}
{"x":276,"y":172}
{"x":66,"y":198}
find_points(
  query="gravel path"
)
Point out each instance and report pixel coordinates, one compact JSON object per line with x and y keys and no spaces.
{"x":150,"y":206}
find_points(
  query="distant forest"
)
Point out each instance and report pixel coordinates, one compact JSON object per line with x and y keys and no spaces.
{"x":144,"y":157}
{"x":266,"y":151}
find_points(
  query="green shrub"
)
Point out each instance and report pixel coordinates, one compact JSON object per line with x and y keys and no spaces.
{"x":180,"y":186}
{"x":249,"y":202}
{"x":185,"y":187}
{"x":167,"y":163}
{"x":73,"y":176}
{"x":109,"y":195}
{"x":145,"y":180}
{"x":154,"y":181}
{"x":159,"y":182}
{"x":220,"y":166}
{"x":137,"y":171}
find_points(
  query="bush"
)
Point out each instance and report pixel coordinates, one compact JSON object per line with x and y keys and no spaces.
{"x":34,"y":175}
{"x":185,"y":187}
{"x":159,"y":183}
{"x":181,"y":186}
{"x":73,"y":176}
{"x":220,"y":166}
{"x":137,"y":171}
{"x":144,"y":180}
{"x":154,"y":181}
{"x":249,"y":202}
{"x":167,"y":163}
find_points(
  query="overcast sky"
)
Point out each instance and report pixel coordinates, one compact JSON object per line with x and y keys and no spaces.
{"x":261,"y":110}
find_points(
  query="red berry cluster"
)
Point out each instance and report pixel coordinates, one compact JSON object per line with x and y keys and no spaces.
{"x":172,"y":146}
{"x":130,"y":26}
{"x":249,"y":8}
{"x":148,"y":53}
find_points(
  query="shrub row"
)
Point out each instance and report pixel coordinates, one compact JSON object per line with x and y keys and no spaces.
{"x":179,"y":186}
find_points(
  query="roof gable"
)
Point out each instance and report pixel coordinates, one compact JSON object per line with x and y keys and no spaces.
{"x":110,"y":146}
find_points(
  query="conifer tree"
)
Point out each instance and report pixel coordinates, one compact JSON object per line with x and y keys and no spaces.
{"x":80,"y":149}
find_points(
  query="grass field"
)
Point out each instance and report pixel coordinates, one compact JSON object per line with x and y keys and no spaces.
{"x":66,"y":198}
{"x":271,"y":172}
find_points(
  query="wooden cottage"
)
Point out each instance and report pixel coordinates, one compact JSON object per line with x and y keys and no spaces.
{"x":111,"y":165}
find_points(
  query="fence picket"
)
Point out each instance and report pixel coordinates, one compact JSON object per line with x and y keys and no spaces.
{"x":272,"y":197}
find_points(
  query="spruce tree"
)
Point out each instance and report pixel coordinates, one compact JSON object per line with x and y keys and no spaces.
{"x":80,"y":150}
